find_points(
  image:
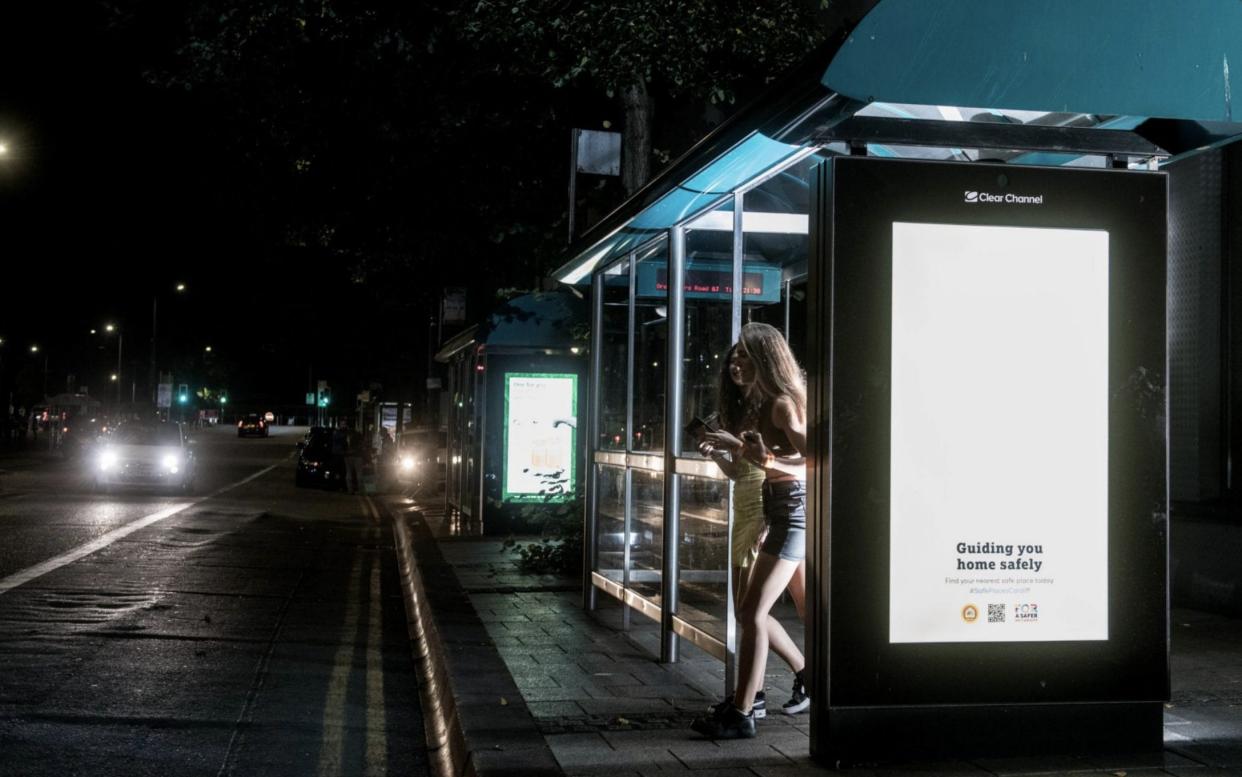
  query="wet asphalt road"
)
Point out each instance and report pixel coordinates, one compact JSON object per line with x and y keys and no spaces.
{"x":257,"y":629}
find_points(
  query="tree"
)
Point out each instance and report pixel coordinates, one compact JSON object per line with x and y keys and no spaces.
{"x":696,"y":50}
{"x":364,"y":155}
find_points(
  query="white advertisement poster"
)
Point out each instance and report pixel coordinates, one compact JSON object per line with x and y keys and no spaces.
{"x":999,"y":462}
{"x":540,"y":427}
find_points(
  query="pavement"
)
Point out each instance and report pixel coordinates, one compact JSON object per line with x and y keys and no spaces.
{"x":543,"y":687}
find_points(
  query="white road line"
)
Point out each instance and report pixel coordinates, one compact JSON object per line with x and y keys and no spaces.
{"x":332,"y":745}
{"x":38,"y":570}
{"x":377,"y":715}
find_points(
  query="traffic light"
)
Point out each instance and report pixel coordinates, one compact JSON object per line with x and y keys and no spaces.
{"x":183,"y":393}
{"x":324,"y":399}
{"x":224,"y":400}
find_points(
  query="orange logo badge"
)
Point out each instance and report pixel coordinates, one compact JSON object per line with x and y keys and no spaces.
{"x":970,"y":613}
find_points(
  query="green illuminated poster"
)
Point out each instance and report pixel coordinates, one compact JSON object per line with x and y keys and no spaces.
{"x":541,"y":420}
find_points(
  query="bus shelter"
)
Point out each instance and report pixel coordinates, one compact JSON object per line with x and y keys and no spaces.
{"x":859,"y":206}
{"x":516,"y":382}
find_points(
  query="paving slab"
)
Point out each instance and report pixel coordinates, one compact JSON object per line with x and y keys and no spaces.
{"x":606,"y":706}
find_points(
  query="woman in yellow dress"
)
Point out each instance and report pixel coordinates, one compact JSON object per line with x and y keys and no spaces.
{"x":739,"y":405}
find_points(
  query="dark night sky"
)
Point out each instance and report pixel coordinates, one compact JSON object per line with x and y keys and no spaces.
{"x":116,"y":189}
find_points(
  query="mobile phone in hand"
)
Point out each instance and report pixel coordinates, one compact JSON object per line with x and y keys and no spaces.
{"x":697,"y":428}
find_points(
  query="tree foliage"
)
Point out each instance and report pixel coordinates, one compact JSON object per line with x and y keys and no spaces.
{"x":379,"y":152}
{"x":695,"y":51}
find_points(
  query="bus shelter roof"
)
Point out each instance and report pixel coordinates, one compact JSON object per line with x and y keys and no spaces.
{"x":1048,"y":82}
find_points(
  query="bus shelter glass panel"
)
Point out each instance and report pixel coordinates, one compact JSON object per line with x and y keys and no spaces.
{"x":457,"y":431}
{"x":709,"y":315}
{"x":614,"y":360}
{"x":612,"y":536}
{"x":775,"y":246}
{"x":651,"y":348}
{"x":471,"y":500}
{"x":704,"y":554}
{"x":646,"y":540}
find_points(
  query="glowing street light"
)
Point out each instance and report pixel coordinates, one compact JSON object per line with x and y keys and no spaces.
{"x":4,"y":149}
{"x":207,"y":349}
{"x":155,"y":335}
{"x":34,"y":349}
{"x":120,"y":349}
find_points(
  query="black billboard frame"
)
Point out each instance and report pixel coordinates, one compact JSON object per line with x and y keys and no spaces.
{"x":881,"y":700}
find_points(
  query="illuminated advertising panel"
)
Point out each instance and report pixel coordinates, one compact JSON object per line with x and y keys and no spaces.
{"x":541,"y":419}
{"x":987,"y":501}
{"x":999,"y":434}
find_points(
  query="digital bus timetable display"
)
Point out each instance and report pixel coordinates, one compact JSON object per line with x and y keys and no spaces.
{"x":999,"y":434}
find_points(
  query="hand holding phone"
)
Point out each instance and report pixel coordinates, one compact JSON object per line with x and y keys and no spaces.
{"x":698,"y":427}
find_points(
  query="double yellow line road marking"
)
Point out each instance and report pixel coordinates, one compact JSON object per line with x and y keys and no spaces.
{"x":332,"y":748}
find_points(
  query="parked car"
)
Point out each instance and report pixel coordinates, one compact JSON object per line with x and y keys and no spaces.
{"x":79,"y":434}
{"x":252,"y":425}
{"x":316,"y":464}
{"x":139,"y":453}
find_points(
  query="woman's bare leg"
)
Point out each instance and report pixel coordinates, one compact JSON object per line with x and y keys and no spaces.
{"x":741,"y":576}
{"x":797,"y":590}
{"x":768,"y":578}
{"x":778,"y":639}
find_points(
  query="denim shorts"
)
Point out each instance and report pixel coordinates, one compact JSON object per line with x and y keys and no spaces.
{"x":784,"y":507}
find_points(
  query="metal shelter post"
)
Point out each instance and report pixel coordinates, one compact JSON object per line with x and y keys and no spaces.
{"x":590,"y":553}
{"x":672,"y":442}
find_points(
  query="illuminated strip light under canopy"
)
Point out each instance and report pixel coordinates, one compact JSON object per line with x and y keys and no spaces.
{"x":754,"y":221}
{"x":586,"y":268}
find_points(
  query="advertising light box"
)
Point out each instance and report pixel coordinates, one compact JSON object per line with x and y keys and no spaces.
{"x":999,"y":475}
{"x":540,"y":429}
{"x":988,"y":485}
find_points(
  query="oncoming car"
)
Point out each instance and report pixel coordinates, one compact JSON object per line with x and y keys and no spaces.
{"x":421,"y":457}
{"x":252,"y":424}
{"x":145,"y":454}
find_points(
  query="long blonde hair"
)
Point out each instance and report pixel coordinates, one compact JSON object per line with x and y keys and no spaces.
{"x":777,"y":372}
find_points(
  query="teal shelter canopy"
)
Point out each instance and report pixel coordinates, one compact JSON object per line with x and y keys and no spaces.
{"x":1132,"y":80}
{"x":543,"y":320}
{"x":754,"y":155}
{"x":1116,"y":57}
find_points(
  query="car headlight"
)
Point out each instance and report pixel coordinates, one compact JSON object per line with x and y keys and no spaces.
{"x":407,"y":463}
{"x":107,"y":459}
{"x":172,"y":462}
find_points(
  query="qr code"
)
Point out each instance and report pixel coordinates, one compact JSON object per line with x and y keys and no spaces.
{"x":996,"y":613}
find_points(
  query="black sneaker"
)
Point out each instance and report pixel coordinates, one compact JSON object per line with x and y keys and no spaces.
{"x":760,"y":707}
{"x":798,"y":701}
{"x":729,"y":723}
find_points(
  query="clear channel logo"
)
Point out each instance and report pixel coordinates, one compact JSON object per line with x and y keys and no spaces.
{"x":1009,"y":198}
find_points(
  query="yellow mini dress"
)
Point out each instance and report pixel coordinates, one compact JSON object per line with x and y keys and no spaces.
{"x":748,"y":520}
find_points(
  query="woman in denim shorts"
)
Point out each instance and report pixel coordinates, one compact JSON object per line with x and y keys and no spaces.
{"x":777,"y":444}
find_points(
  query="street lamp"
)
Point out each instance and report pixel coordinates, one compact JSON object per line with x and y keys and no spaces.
{"x":155,"y":320}
{"x":120,"y":347}
{"x":35,"y":349}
